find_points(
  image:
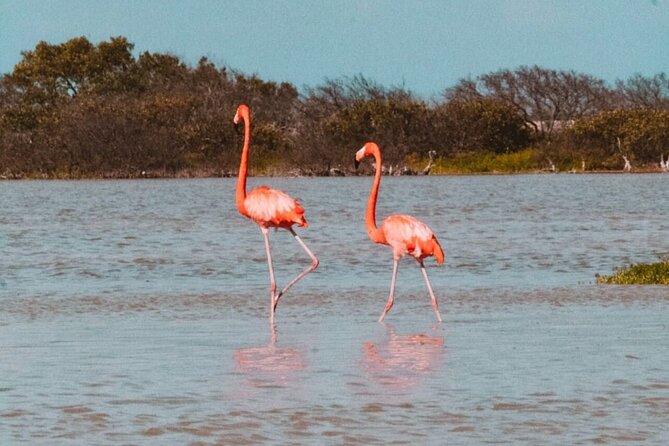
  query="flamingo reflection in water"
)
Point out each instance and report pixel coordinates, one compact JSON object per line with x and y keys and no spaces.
{"x":402,"y":361}
{"x":270,"y":365}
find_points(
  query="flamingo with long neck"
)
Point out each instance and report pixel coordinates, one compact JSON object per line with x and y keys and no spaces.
{"x":268,"y":208}
{"x":403,"y":233}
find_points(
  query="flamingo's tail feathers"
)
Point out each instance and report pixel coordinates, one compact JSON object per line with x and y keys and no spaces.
{"x":438,"y":252}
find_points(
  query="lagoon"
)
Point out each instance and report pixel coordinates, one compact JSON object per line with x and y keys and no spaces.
{"x":135,"y":312}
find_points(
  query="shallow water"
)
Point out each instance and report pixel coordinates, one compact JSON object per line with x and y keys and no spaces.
{"x":135,"y":312}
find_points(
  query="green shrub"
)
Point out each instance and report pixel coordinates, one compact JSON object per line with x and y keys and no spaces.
{"x":639,"y":274}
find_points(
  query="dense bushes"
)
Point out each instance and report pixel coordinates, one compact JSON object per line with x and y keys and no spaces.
{"x":82,"y":110}
{"x":640,"y":133}
{"x":481,"y":125}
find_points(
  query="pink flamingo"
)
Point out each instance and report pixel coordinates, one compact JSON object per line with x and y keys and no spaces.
{"x":403,"y":233}
{"x":269,"y":208}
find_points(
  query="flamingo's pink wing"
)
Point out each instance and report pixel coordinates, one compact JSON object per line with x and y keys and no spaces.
{"x":271,"y":207}
{"x":407,"y":235}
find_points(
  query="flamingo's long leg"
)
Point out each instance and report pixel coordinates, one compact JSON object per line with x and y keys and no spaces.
{"x":391,"y":297}
{"x":272,"y":282}
{"x":310,"y":268}
{"x":435,"y":305}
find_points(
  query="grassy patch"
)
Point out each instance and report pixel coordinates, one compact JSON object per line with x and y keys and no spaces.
{"x":486,"y":162}
{"x":639,"y":274}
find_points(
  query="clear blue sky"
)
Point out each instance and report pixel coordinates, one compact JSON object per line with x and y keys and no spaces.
{"x":424,"y":45}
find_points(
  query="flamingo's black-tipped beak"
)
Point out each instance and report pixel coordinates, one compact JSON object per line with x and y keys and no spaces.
{"x":236,"y":120}
{"x":359,"y":155}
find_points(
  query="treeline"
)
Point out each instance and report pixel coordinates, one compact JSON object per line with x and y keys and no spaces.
{"x":76,"y":109}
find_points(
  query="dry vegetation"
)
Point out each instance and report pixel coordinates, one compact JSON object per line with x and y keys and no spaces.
{"x":77,"y":110}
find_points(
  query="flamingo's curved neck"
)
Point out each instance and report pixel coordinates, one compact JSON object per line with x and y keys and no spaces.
{"x":243,"y":165}
{"x":370,"y":216}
